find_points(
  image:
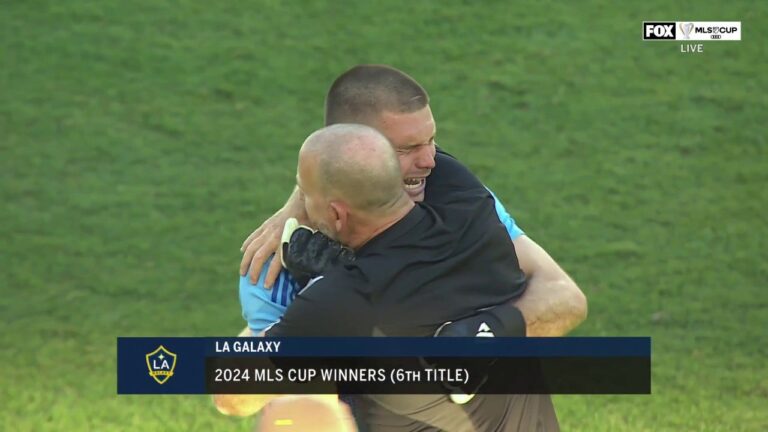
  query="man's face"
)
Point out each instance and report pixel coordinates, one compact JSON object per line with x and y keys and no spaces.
{"x":413,"y":137}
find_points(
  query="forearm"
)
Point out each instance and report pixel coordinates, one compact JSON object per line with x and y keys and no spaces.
{"x":242,"y":405}
{"x":552,"y":307}
{"x":552,"y":304}
{"x":294,"y":206}
{"x":265,"y":240}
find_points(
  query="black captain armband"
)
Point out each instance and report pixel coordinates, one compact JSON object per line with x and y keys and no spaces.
{"x":504,"y":320}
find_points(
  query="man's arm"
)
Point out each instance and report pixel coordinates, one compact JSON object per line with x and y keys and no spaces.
{"x":242,"y":405}
{"x":323,"y":309}
{"x":262,"y":307}
{"x":265,"y":241}
{"x":320,"y":309}
{"x":553,"y":304}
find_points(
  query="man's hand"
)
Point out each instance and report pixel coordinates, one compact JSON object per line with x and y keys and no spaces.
{"x":260,"y":245}
{"x":307,"y":253}
{"x":265,"y":241}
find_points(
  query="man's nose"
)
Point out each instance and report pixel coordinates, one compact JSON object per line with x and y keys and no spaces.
{"x":426,"y":158}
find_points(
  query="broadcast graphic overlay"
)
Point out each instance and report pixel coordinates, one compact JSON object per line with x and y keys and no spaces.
{"x":692,"y":31}
{"x":384,"y":365}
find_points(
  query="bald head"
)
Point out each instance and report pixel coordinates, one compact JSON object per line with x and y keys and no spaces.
{"x":353,"y":163}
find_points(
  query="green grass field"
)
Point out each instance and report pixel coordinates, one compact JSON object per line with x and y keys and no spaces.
{"x":140,"y":142}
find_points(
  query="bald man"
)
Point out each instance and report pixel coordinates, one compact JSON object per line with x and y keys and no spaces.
{"x":417,"y":266}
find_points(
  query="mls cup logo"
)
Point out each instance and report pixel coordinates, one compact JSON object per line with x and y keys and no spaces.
{"x":686,"y":29}
{"x":161,"y":364}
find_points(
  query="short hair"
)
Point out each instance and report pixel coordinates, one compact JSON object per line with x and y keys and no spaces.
{"x":365,"y":91}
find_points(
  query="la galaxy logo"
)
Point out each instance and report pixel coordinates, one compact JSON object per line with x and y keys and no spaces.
{"x":161,"y":364}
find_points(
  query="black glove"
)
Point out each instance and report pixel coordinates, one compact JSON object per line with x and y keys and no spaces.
{"x":308,"y":253}
{"x":501,"y":320}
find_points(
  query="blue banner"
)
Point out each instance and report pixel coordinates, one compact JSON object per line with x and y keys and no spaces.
{"x":188,"y":365}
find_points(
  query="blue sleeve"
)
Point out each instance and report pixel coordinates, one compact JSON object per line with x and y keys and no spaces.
{"x":505,"y":218}
{"x":262,"y":307}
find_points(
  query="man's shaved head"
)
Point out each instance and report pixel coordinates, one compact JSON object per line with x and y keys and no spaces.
{"x":362,"y":93}
{"x":350,"y":180}
{"x":354,"y":163}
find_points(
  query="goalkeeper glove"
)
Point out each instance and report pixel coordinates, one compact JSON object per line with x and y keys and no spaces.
{"x":501,"y":320}
{"x":307,"y":253}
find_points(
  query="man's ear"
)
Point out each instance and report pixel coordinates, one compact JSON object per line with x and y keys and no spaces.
{"x":339,"y":215}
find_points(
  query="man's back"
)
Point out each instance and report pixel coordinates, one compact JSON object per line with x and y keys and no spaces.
{"x":439,"y":263}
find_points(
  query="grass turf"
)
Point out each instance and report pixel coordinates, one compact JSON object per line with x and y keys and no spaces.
{"x":141,"y":141}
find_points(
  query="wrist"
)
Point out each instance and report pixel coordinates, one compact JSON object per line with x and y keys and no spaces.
{"x":295,"y":208}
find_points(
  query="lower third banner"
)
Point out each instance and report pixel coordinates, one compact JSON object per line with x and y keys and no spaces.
{"x":384,"y":365}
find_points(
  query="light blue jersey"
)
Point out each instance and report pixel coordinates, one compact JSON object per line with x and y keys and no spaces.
{"x":262,"y":307}
{"x":513,"y":230}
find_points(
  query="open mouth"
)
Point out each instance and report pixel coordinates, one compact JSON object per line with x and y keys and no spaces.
{"x":414,"y":185}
